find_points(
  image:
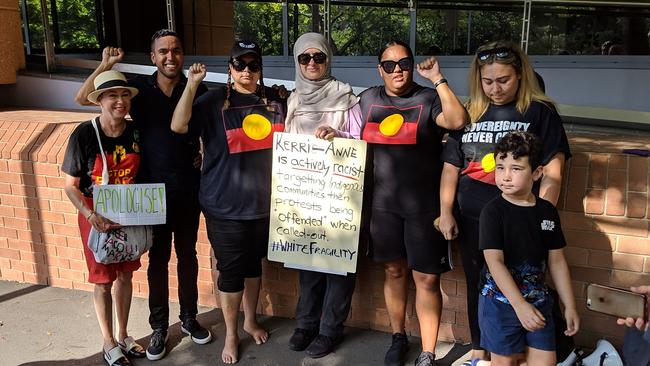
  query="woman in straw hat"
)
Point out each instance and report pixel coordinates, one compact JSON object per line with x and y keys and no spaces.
{"x":83,"y":168}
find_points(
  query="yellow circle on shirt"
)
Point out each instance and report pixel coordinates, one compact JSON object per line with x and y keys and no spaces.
{"x":256,"y":126}
{"x":391,"y":124}
{"x":488,"y":163}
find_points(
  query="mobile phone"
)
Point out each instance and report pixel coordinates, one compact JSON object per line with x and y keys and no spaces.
{"x":615,"y":301}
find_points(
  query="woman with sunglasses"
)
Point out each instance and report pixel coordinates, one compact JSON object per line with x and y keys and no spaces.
{"x":404,"y":126}
{"x":327,"y":108}
{"x":236,"y":124}
{"x":504,"y":96}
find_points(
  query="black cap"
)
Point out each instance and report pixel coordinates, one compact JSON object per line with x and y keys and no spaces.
{"x":241,"y":48}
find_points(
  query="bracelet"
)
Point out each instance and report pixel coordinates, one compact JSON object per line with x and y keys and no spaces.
{"x":92,"y":212}
{"x":441,"y":81}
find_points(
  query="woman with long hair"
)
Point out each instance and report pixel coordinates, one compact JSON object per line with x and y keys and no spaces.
{"x":404,"y":124}
{"x":327,"y":108}
{"x":236,"y":124}
{"x":504,"y":96}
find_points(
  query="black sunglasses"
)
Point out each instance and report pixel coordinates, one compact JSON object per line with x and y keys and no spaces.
{"x":500,"y":53}
{"x":405,"y":64}
{"x":305,"y":58}
{"x":240,"y":65}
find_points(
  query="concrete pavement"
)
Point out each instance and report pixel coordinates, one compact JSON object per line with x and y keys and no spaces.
{"x":42,"y":325}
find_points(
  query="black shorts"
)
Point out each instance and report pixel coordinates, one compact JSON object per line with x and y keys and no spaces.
{"x":395,"y":236}
{"x":239,"y":246}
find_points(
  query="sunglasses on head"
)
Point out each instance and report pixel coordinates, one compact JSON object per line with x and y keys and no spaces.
{"x":405,"y":64}
{"x":318,"y":57}
{"x":240,"y":65}
{"x":500,"y":53}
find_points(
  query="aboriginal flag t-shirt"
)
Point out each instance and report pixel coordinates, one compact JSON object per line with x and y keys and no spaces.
{"x":82,"y":156}
{"x":406,"y":144}
{"x":472,"y":149}
{"x":237,"y":142}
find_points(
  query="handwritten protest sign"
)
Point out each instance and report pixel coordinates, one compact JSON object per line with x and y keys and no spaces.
{"x":317,"y":192}
{"x":131,"y":204}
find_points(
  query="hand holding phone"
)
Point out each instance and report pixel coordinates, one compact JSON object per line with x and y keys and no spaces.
{"x":640,"y":323}
{"x":628,"y":306}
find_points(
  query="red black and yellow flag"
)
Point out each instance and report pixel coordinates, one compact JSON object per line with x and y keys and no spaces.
{"x":392,"y":125}
{"x":251,"y":128}
{"x":483,"y":170}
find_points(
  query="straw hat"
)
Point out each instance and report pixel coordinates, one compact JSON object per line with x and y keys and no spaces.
{"x":108,"y":80}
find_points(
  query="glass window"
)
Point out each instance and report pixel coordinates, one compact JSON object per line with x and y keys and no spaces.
{"x":589,"y":30}
{"x":459,"y":29}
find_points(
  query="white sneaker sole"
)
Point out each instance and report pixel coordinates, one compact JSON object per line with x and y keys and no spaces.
{"x":160,"y":356}
{"x":197,"y":340}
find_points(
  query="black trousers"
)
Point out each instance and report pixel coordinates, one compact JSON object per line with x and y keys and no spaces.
{"x":324,"y":301}
{"x":473,"y":262}
{"x":182,"y":222}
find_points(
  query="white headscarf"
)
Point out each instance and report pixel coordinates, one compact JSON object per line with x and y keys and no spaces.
{"x":317,"y":102}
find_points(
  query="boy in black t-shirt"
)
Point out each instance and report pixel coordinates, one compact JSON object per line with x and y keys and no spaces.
{"x":520,"y":235}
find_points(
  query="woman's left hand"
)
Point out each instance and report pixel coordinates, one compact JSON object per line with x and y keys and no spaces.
{"x":325,"y":132}
{"x":429,"y":69}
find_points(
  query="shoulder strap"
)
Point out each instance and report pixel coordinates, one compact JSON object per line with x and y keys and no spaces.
{"x":101,"y":152}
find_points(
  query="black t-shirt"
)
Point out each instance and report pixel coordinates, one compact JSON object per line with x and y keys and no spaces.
{"x":472,"y":149}
{"x":167,"y":157}
{"x":236,"y":173}
{"x":406,"y":145}
{"x":82,"y":158}
{"x":525,"y":234}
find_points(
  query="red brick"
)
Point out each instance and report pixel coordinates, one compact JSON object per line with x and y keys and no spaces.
{"x":46,"y":169}
{"x":29,"y":235}
{"x":70,"y":253}
{"x":633,"y":245}
{"x":576,"y":186}
{"x":69,"y":274}
{"x":628,"y":262}
{"x":89,"y":287}
{"x":18,"y":166}
{"x":626,"y":279}
{"x":576,"y":256}
{"x":53,"y":217}
{"x":77,"y":265}
{"x":616,"y":191}
{"x":50,"y":193}
{"x":636,"y":205}
{"x":14,"y":223}
{"x":4,"y":166}
{"x":590,"y":240}
{"x":622,"y":226}
{"x":13,"y":275}
{"x":22,"y":190}
{"x":26,"y":213}
{"x":34,"y":278}
{"x":9,"y":253}
{"x":37,"y":203}
{"x":21,"y":245}
{"x":595,"y":202}
{"x":578,"y":221}
{"x":10,"y":200}
{"x":13,"y":178}
{"x":448,"y":287}
{"x":23,"y":266}
{"x":598,"y":171}
{"x":586,"y":274}
{"x":60,"y":282}
{"x":66,"y":230}
{"x":638,"y":174}
{"x":8,"y":233}
{"x":5,"y":188}
{"x":55,"y":182}
{"x":646,"y":266}
{"x":62,"y":206}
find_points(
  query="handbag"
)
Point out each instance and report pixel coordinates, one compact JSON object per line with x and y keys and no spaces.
{"x":124,"y":244}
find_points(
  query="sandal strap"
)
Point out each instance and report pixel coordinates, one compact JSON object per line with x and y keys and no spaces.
{"x":128,"y":344}
{"x":113,"y":355}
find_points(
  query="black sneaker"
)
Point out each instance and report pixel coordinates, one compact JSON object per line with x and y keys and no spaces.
{"x":322,"y":346}
{"x":426,"y":359}
{"x":198,"y":334}
{"x":156,"y":349}
{"x":301,"y":338}
{"x":397,"y":351}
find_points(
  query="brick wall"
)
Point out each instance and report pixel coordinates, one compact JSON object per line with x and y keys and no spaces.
{"x":604,"y":211}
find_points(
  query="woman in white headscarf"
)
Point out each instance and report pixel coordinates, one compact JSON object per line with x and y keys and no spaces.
{"x":327,"y":108}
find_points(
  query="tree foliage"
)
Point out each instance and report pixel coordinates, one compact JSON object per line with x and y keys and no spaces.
{"x":77,"y":25}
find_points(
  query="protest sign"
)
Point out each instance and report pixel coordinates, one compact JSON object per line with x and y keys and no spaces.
{"x":131,"y":204}
{"x":316,"y":199}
